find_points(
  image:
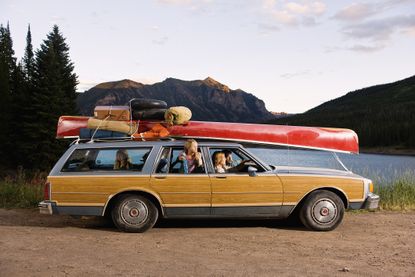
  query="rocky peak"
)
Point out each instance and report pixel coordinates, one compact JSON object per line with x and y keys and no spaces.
{"x":126,"y":83}
{"x":213,"y":83}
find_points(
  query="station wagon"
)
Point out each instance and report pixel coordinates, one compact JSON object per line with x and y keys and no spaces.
{"x":85,"y":182}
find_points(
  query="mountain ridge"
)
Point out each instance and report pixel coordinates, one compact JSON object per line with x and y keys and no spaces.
{"x":382,"y":115}
{"x":208,"y":99}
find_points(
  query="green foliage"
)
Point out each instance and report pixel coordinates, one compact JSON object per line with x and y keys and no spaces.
{"x":21,"y":191}
{"x":399,"y":195}
{"x":7,"y":67}
{"x":382,"y":115}
{"x":34,"y":93}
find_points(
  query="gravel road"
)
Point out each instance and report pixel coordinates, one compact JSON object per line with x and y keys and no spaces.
{"x":369,"y":244}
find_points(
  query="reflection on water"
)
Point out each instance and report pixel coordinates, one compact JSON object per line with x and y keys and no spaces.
{"x":382,"y":169}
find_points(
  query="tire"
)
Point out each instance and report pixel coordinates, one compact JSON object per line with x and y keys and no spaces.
{"x":134,"y":213}
{"x":138,"y":104}
{"x":151,"y":114}
{"x":322,"y":211}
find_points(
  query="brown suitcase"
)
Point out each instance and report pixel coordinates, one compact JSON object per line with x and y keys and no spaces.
{"x":112,"y":112}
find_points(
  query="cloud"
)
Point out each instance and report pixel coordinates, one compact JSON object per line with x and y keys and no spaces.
{"x":290,"y":13}
{"x":366,"y":49}
{"x":379,"y":29}
{"x":357,"y":11}
{"x":364,"y":10}
{"x":161,"y":41}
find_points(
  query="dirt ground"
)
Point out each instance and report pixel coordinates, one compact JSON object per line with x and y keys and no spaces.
{"x":368,"y":244}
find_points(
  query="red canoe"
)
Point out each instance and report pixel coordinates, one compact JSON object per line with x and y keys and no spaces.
{"x":332,"y":139}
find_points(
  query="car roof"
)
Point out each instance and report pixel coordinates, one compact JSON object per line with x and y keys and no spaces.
{"x":171,"y":143}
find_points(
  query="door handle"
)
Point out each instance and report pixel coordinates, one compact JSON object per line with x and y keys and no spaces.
{"x":220,"y":177}
{"x":160,"y":177}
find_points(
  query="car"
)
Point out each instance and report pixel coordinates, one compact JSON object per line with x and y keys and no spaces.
{"x":85,"y":181}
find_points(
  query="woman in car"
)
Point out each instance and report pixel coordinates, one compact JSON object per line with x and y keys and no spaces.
{"x":122,"y":160}
{"x":190,"y":158}
{"x":219,"y":162}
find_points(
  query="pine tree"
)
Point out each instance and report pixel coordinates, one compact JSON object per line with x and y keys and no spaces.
{"x":54,"y":95}
{"x":7,"y":67}
{"x":28,"y":58}
{"x":24,"y":115}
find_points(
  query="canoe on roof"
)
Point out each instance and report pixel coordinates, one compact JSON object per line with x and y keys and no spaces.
{"x":330,"y":139}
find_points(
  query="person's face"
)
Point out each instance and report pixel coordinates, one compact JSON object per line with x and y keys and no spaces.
{"x":192,"y":148}
{"x":223,"y":161}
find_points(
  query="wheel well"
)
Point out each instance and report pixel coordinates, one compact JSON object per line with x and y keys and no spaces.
{"x":149,"y":196}
{"x":334,"y":190}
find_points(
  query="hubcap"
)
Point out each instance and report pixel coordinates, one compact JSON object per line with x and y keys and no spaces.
{"x":324,"y":211}
{"x":134,"y":212}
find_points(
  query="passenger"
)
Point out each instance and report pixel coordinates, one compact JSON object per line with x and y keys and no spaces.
{"x":219,"y":162}
{"x":229,"y":161}
{"x":191,"y":159}
{"x":122,"y":160}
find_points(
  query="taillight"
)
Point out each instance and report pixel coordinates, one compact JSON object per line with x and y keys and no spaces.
{"x":46,"y":191}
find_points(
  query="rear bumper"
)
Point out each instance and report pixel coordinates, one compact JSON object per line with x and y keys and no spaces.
{"x":371,"y":202}
{"x":45,"y":207}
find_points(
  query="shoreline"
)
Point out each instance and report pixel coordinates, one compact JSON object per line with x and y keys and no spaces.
{"x":388,"y":151}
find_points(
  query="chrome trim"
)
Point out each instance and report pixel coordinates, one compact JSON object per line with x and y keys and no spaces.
{"x":371,"y":202}
{"x":45,"y":207}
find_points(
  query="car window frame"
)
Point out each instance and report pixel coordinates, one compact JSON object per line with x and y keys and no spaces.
{"x":248,"y":154}
{"x":173,"y":147}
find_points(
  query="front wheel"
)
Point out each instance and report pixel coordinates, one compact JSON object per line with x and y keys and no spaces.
{"x":322,"y":211}
{"x":134,"y":213}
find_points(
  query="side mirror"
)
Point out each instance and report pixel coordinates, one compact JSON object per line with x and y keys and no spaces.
{"x":252,"y":171}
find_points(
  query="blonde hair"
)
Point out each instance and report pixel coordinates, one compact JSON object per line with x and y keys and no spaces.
{"x":122,"y":160}
{"x":189,"y":144}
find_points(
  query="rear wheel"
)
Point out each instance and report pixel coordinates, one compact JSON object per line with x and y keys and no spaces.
{"x":134,"y":213}
{"x":322,"y":211}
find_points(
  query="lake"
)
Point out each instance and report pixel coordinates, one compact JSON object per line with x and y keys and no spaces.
{"x":382,"y":169}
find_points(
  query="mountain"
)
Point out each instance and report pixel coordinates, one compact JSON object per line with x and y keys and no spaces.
{"x":208,"y":99}
{"x":382,"y":115}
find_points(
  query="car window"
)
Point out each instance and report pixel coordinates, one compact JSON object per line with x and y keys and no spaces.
{"x":169,"y":162}
{"x":121,"y":159}
{"x":235,"y":161}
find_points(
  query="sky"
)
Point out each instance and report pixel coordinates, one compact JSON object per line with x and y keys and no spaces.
{"x":294,"y":55}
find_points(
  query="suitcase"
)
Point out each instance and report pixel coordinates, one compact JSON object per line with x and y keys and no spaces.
{"x":112,"y":112}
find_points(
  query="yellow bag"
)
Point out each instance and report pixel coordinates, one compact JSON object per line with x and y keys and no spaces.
{"x":178,"y":115}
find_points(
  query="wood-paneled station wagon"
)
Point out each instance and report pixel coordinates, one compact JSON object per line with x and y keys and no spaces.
{"x":87,"y":181}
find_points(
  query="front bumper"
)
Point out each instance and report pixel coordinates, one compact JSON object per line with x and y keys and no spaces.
{"x":45,"y":207}
{"x":371,"y":202}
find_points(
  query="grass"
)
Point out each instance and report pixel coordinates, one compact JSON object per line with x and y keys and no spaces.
{"x":22,"y":190}
{"x":25,"y":190}
{"x":397,"y":195}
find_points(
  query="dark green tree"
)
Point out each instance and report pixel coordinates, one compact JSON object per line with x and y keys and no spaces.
{"x":54,"y":95}
{"x":24,"y":115}
{"x":29,"y":57}
{"x":7,"y":67}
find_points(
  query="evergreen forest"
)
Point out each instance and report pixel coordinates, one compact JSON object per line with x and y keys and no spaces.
{"x":34,"y":92}
{"x":383,"y":116}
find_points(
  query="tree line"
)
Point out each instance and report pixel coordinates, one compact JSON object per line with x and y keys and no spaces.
{"x":34,"y":92}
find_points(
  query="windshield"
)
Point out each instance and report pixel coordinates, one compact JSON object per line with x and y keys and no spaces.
{"x":296,"y":157}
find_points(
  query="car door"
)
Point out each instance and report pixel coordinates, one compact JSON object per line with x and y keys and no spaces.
{"x":183,"y":194}
{"x":236,"y":193}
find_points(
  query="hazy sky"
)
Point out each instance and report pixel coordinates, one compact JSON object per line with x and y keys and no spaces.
{"x":292,"y":54}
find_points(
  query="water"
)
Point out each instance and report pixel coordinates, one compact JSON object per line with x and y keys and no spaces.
{"x":382,"y":169}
